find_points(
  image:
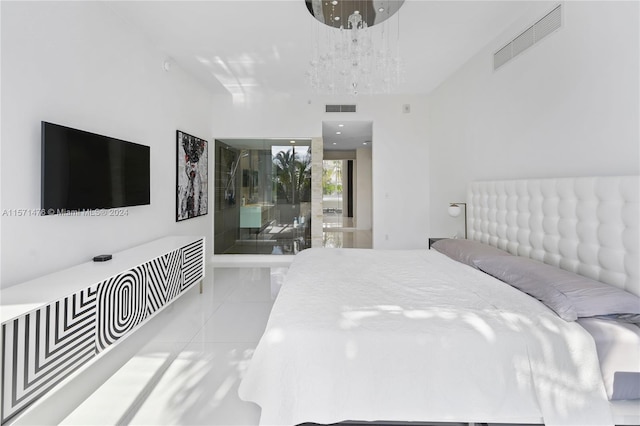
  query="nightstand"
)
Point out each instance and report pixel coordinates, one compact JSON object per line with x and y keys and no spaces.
{"x":433,"y":240}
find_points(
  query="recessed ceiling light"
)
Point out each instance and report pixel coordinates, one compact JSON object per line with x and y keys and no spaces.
{"x":335,"y":143}
{"x":340,"y":125}
{"x":364,"y":143}
{"x":381,"y":9}
{"x":337,"y":18}
{"x":338,"y":133}
{"x":292,"y":141}
{"x":334,"y":2}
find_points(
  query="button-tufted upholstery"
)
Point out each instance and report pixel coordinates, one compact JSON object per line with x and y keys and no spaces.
{"x":588,"y":225}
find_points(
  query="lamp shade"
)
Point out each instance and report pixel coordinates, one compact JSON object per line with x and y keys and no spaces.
{"x":454,"y":210}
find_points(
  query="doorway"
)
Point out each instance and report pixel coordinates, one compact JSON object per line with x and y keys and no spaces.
{"x":337,"y":193}
{"x":347,"y":184}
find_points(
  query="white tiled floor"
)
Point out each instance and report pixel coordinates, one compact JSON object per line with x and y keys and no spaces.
{"x":336,"y":220}
{"x":347,"y":239}
{"x":200,"y":386}
{"x":340,"y":232}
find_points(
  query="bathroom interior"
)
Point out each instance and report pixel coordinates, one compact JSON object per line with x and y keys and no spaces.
{"x":262,"y":196}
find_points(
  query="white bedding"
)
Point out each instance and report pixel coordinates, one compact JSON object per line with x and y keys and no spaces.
{"x":415,"y":336}
{"x":618,"y":347}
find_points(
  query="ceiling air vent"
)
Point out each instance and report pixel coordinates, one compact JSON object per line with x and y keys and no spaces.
{"x":545,"y":26}
{"x":340,"y":108}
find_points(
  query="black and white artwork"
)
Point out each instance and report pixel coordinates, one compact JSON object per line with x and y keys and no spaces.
{"x":192,"y":195}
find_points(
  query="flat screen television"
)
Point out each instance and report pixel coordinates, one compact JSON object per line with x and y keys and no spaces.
{"x":85,"y":171}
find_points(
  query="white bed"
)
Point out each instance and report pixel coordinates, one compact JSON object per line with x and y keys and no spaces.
{"x":371,"y":335}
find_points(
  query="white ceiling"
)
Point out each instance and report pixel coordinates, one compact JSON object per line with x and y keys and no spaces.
{"x":263,"y":47}
{"x":353,"y":135}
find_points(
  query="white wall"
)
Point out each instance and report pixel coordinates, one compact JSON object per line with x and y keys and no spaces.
{"x":568,"y":106}
{"x":365,"y":191}
{"x":79,"y":65}
{"x":399,"y":163}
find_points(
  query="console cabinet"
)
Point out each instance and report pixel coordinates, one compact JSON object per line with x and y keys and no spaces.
{"x":58,"y":323}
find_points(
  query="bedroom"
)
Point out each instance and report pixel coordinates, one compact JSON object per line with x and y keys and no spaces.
{"x":567,"y":107}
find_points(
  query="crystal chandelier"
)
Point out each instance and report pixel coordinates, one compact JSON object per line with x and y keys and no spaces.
{"x":355,"y":56}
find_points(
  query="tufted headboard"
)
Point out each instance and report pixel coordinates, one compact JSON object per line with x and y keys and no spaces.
{"x":588,"y":225}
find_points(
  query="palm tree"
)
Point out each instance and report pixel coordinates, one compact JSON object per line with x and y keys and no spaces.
{"x":293,"y":176}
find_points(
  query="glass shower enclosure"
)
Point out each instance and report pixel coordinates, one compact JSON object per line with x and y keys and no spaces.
{"x":263,"y":196}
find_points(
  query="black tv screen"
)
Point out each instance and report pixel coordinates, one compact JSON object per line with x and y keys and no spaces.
{"x":86,"y":171}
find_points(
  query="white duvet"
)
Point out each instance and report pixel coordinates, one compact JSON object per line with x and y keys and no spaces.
{"x":414,"y":336}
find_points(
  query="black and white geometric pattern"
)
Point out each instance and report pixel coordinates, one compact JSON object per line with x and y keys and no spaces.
{"x":41,"y":348}
{"x":122,"y":302}
{"x":192,"y":263}
{"x":44,"y":346}
{"x":164,"y":275}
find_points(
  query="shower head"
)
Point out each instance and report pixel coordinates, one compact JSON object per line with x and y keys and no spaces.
{"x":234,"y":166}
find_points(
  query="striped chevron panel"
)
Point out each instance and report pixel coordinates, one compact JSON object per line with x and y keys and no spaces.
{"x":164,"y":275}
{"x":43,"y":347}
{"x":122,"y":302}
{"x":192,"y":263}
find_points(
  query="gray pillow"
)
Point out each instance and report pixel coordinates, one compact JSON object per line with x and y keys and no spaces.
{"x":569,"y":295}
{"x":467,"y":251}
{"x":626,"y":385}
{"x":628,"y":318}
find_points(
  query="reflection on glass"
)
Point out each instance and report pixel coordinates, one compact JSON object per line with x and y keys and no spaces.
{"x":263,"y":197}
{"x":337,"y":14}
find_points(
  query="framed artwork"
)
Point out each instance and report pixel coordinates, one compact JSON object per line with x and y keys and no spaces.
{"x":192,"y":175}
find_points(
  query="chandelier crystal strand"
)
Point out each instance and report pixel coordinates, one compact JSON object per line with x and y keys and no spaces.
{"x":354,"y":59}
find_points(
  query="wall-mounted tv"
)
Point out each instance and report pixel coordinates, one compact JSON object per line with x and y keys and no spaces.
{"x":86,"y":171}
